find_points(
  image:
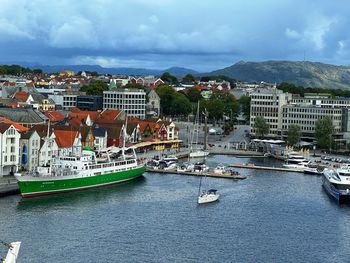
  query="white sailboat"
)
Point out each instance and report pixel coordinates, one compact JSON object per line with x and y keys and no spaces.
{"x":207,"y":196}
{"x":195,"y":152}
{"x":12,"y":253}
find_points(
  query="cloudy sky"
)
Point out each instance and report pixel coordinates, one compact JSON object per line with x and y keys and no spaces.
{"x":199,"y":34}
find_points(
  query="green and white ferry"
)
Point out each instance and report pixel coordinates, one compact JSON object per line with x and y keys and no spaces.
{"x":72,"y":173}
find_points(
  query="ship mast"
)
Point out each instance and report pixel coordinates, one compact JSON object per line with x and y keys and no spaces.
{"x":46,"y":143}
{"x":124,"y":136}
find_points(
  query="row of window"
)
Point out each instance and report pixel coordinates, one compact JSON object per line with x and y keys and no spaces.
{"x":124,"y":95}
{"x":139,"y":101}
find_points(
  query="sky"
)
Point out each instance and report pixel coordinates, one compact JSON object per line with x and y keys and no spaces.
{"x":200,"y":34}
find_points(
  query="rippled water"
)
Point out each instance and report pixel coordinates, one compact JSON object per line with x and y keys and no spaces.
{"x":269,"y":217}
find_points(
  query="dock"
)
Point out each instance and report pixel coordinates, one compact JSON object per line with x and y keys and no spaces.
{"x":225,"y":176}
{"x":267,"y":168}
{"x":8,"y":186}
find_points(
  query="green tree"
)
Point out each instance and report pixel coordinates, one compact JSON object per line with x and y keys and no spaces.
{"x":169,"y":79}
{"x":261,"y":127}
{"x":37,"y":71}
{"x":324,"y":132}
{"x":293,"y":134}
{"x":95,"y":88}
{"x":244,"y":103}
{"x":166,"y":95}
{"x":180,"y":105}
{"x":193,"y":94}
{"x":188,"y":79}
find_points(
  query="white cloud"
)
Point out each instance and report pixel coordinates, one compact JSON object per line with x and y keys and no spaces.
{"x":154,"y":19}
{"x":291,"y":33}
{"x":78,"y":32}
{"x":9,"y":31}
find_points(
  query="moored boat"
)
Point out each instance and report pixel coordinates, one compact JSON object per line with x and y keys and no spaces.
{"x":72,"y":173}
{"x":337,"y":183}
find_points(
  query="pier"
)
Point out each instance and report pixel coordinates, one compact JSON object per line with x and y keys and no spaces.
{"x":225,"y":176}
{"x":267,"y":168}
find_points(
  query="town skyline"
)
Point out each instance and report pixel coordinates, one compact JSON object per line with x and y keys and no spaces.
{"x":162,"y":34}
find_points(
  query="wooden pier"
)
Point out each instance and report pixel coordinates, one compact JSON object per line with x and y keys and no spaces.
{"x":267,"y":168}
{"x":225,"y":176}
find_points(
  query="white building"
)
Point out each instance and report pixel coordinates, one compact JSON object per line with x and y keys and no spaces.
{"x":9,"y":149}
{"x":267,"y":103}
{"x":29,"y":150}
{"x":66,"y":100}
{"x":48,"y":149}
{"x":132,"y":101}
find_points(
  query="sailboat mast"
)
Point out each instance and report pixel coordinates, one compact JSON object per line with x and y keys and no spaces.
{"x":200,"y":185}
{"x":205,"y":128}
{"x":197,"y":125}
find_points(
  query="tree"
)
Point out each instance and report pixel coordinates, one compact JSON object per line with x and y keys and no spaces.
{"x":244,"y":103}
{"x":169,"y":79}
{"x":293,"y":134}
{"x":323,"y":132}
{"x":37,"y":71}
{"x":261,"y":127}
{"x":95,"y":88}
{"x":193,"y":94}
{"x":188,"y":79}
{"x":180,"y":105}
{"x":166,"y":94}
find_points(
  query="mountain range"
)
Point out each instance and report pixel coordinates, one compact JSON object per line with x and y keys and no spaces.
{"x":177,"y":71}
{"x":304,"y":73}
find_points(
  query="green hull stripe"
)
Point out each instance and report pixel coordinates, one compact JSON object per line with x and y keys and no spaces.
{"x":51,"y":186}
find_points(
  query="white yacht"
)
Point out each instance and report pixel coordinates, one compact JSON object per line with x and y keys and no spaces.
{"x":295,"y":157}
{"x":337,"y":183}
{"x":185,"y":167}
{"x":199,"y":154}
{"x":220,"y":169}
{"x":302,"y":166}
{"x":208,"y":196}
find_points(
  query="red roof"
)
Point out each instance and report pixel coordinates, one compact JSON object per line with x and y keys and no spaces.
{"x":75,"y":122}
{"x":108,"y":117}
{"x":65,"y":139}
{"x":13,"y":104}
{"x":54,"y":116}
{"x":21,"y":96}
{"x":17,"y":126}
{"x":82,"y":115}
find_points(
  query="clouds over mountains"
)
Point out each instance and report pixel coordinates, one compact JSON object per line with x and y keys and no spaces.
{"x":159,"y":33}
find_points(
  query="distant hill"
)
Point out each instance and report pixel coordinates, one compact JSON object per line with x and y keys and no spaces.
{"x":177,"y":71}
{"x":305,"y":73}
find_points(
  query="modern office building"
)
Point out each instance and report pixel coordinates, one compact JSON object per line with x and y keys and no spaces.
{"x":268,"y":103}
{"x":89,"y":102}
{"x":132,"y":101}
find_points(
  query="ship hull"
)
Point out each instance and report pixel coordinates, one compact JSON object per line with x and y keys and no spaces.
{"x":36,"y":186}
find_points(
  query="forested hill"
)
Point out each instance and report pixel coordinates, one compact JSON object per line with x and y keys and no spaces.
{"x":304,"y":73}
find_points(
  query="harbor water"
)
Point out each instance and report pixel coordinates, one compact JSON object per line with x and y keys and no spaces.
{"x":269,"y":217}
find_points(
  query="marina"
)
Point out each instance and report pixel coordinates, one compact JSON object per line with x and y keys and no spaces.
{"x":271,"y":211}
{"x":208,"y":174}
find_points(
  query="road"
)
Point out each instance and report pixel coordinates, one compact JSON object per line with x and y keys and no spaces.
{"x":187,"y":128}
